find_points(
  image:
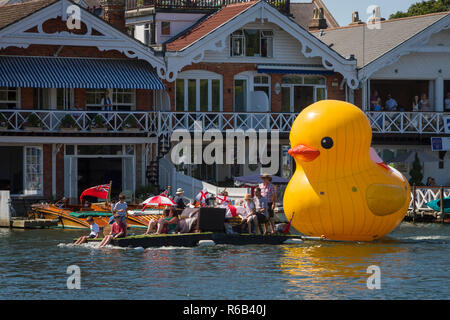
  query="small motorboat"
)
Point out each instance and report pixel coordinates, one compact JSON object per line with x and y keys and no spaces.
{"x":436,"y":205}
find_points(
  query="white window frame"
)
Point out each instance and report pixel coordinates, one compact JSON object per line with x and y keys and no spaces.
{"x":17,"y":101}
{"x":198,"y":75}
{"x":147,"y":33}
{"x":241,"y":36}
{"x":52,"y":95}
{"x":32,"y":192}
{"x":249,"y":76}
{"x":316,"y":86}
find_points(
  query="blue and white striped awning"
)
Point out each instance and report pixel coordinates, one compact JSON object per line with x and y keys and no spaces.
{"x":89,"y":73}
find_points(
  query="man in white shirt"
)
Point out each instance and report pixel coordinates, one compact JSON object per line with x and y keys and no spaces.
{"x":391,"y":104}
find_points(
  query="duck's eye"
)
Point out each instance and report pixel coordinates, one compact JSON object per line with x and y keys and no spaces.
{"x":327,"y":143}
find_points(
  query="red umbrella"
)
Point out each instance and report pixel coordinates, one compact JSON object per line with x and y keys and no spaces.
{"x":158,"y":201}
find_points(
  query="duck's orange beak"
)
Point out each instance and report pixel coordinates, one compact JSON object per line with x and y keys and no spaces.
{"x":304,"y":153}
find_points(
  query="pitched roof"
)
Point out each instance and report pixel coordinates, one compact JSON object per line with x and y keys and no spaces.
{"x":206,"y":25}
{"x":370,"y":44}
{"x":14,"y":12}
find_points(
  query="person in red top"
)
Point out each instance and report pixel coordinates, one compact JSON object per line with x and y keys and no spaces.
{"x":118,"y":230}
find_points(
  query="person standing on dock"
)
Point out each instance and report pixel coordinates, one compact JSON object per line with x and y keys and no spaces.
{"x":268,"y":192}
{"x":179,"y":200}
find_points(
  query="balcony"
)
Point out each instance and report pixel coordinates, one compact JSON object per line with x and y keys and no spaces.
{"x":198,"y":5}
{"x":55,"y":121}
{"x":164,"y":123}
{"x":381,"y":122}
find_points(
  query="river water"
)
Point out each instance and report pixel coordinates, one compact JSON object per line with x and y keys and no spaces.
{"x":413,"y":262}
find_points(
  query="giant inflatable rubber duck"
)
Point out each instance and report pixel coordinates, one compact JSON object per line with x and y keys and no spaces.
{"x":341,"y":189}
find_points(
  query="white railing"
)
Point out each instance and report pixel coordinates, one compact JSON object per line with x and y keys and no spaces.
{"x":423,"y":195}
{"x":381,"y":122}
{"x":407,"y":122}
{"x":164,"y":123}
{"x":72,"y":121}
{"x":169,"y":121}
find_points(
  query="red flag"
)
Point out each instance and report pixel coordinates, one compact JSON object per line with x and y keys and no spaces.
{"x":233,"y":210}
{"x":100,"y":191}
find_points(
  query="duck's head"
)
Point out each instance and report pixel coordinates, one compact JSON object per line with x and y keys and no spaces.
{"x":330,"y":137}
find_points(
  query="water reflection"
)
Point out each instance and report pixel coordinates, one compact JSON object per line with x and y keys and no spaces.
{"x":317,"y":268}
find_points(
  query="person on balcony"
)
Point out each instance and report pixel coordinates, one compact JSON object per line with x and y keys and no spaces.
{"x":447,"y":102}
{"x":106,"y":102}
{"x":377,"y":105}
{"x":416,"y":104}
{"x":424,"y":103}
{"x":391,"y":103}
{"x":373,"y":100}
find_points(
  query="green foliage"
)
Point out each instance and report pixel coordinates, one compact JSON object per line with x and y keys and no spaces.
{"x":143,"y":192}
{"x":416,"y":173}
{"x":67,"y":122}
{"x":98,"y":122}
{"x":423,"y":7}
{"x":34,"y":121}
{"x":130,"y":122}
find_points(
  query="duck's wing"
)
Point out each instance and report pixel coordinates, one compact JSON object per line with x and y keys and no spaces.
{"x":385,"y":199}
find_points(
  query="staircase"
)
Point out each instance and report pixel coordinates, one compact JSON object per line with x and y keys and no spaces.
{"x":164,"y":146}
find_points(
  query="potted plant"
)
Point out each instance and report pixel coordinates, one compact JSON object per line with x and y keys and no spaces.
{"x":3,"y":123}
{"x":98,"y":124}
{"x":68,"y":124}
{"x":130,"y":125}
{"x":33,"y":123}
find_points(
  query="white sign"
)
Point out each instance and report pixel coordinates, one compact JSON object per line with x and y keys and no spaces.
{"x":440,"y":144}
{"x":446,"y":124}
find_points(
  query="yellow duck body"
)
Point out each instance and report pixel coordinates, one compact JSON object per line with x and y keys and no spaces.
{"x":338,"y":191}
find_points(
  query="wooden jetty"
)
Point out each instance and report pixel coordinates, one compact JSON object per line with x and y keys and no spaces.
{"x":193,"y":239}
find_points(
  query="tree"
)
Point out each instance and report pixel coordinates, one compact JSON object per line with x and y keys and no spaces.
{"x":423,"y":7}
{"x":416,"y":173}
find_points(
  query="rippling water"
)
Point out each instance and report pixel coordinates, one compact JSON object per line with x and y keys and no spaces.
{"x":414,"y":262}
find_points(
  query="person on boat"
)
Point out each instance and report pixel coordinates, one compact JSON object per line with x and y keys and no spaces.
{"x":249,"y":215}
{"x":268,"y":192}
{"x":94,"y":231}
{"x":118,"y":230}
{"x":261,"y":209}
{"x":167,"y":224}
{"x":179,"y":200}
{"x":121,"y":208}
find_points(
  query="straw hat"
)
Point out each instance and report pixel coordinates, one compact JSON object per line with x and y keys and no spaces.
{"x":266,"y":176}
{"x":248,"y":196}
{"x":179,"y":190}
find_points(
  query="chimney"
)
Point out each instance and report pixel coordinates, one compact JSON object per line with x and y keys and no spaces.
{"x":355,"y":19}
{"x":114,"y":13}
{"x":376,"y":16}
{"x":318,"y":21}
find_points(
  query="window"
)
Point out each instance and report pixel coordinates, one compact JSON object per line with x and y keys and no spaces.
{"x":298,"y":92}
{"x":53,"y":98}
{"x":198,"y":91}
{"x":33,"y":171}
{"x":121,"y":99}
{"x":11,"y":175}
{"x":251,"y":43}
{"x":130,"y":30}
{"x":147,"y":34}
{"x":240,"y":95}
{"x":262,"y":83}
{"x":9,"y":98}
{"x":165,"y":28}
